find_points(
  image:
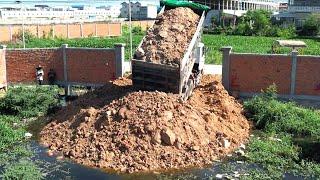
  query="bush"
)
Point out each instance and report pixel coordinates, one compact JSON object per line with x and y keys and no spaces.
{"x":275,"y":116}
{"x":311,"y":27}
{"x":289,"y":32}
{"x":8,"y":135}
{"x":28,"y":36}
{"x":22,"y":170}
{"x":29,"y":101}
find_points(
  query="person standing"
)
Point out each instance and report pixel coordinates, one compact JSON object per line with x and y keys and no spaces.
{"x":51,"y":76}
{"x":39,"y":74}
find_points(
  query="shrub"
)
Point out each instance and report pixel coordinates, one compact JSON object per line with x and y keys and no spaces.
{"x":22,"y":170}
{"x":28,"y":101}
{"x":28,"y":36}
{"x":311,"y":27}
{"x":275,"y":116}
{"x":289,"y":32}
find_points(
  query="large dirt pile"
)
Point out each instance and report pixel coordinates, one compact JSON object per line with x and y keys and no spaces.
{"x":148,"y":130}
{"x":168,"y":40}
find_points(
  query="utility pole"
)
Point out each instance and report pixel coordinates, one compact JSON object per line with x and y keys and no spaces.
{"x":130,"y":29}
{"x":23,"y":34}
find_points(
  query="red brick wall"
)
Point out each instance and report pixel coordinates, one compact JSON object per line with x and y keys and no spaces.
{"x":251,"y":73}
{"x":3,"y":76}
{"x":60,"y":30}
{"x":83,"y":65}
{"x":21,"y":64}
{"x":90,"y":65}
{"x":308,"y":75}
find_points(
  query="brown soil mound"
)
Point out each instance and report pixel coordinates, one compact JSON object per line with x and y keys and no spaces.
{"x":144,"y":131}
{"x":168,"y":40}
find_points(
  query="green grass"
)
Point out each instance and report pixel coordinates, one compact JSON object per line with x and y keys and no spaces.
{"x":250,"y":44}
{"x":274,"y":149}
{"x":240,"y":44}
{"x":90,"y":42}
{"x":21,"y":102}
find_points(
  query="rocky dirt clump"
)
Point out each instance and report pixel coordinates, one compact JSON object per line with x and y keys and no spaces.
{"x":167,"y":41}
{"x":125,"y":130}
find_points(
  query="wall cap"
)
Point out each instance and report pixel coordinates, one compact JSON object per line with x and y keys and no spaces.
{"x":119,"y":45}
{"x":64,"y":46}
{"x":226,"y":48}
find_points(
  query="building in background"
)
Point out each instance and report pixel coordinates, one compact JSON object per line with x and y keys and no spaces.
{"x":298,"y":11}
{"x":138,"y":12}
{"x":231,"y":9}
{"x":59,"y":12}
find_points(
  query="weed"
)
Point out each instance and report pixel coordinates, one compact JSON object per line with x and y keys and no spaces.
{"x":22,"y":170}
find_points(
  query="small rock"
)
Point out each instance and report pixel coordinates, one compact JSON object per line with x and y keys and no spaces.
{"x":156,"y":138}
{"x":242,"y":146}
{"x":240,"y":162}
{"x":219,"y":176}
{"x":15,"y":124}
{"x":28,"y":135}
{"x":168,"y":115}
{"x":168,"y":137}
{"x":49,"y":153}
{"x":122,"y":112}
{"x":195,"y":148}
{"x":240,"y":152}
{"x":226,"y":143}
{"x":59,"y":158}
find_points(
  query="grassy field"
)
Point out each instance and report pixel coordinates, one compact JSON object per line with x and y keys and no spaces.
{"x":251,"y":44}
{"x":241,"y":44}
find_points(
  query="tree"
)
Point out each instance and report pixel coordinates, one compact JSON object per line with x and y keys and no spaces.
{"x":311,"y":26}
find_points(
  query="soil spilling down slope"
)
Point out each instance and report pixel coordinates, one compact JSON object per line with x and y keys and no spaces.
{"x":167,"y":41}
{"x":125,"y":130}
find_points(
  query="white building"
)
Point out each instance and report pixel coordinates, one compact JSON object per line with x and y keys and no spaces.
{"x":138,"y":11}
{"x":298,"y":11}
{"x":230,"y":9}
{"x":58,"y":13}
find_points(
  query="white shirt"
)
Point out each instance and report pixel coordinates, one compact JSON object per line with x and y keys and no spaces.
{"x":39,"y":74}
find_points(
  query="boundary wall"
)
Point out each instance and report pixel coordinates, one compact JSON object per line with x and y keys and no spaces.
{"x":76,"y":30}
{"x":296,"y":76}
{"x":73,"y":66}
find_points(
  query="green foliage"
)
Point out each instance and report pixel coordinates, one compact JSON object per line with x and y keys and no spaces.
{"x":9,"y":135}
{"x":22,"y":170}
{"x":311,"y":27}
{"x":251,"y":44}
{"x":28,"y":101}
{"x":289,"y":32}
{"x":275,"y":116}
{"x":27,"y":35}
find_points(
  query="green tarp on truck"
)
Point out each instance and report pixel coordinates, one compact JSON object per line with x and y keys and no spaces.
{"x":182,"y":3}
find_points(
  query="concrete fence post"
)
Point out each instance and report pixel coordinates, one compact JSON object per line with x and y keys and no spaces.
{"x":68,"y":31}
{"x":226,"y":51}
{"x":81,"y":30}
{"x":95,"y":29}
{"x":67,"y":89}
{"x":294,"y":58}
{"x":4,"y":64}
{"x":11,"y":34}
{"x":119,"y":52}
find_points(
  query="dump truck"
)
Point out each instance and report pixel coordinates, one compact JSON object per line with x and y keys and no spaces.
{"x":180,"y":79}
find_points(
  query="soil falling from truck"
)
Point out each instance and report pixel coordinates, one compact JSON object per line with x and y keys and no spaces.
{"x":167,"y":41}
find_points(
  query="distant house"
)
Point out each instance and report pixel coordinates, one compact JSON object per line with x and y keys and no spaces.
{"x":298,"y":11}
{"x":138,"y":11}
{"x":228,"y":10}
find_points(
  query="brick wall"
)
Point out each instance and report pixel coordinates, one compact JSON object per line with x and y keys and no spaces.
{"x":91,"y":65}
{"x":61,"y":30}
{"x":295,"y":76}
{"x":252,"y":72}
{"x":21,"y":64}
{"x":83,"y":65}
{"x":308,"y":75}
{"x":3,"y":75}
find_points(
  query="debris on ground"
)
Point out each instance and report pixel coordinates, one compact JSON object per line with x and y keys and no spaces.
{"x":168,"y":39}
{"x":118,"y":128}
